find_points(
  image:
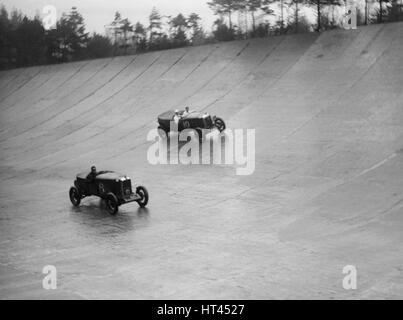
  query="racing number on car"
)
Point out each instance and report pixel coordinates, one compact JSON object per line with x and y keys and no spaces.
{"x":101,"y":188}
{"x":186,"y":124}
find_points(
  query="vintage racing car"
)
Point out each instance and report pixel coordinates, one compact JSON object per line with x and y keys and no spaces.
{"x":114,"y":188}
{"x":193,"y":120}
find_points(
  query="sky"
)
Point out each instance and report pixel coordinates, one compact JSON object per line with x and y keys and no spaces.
{"x":98,"y":13}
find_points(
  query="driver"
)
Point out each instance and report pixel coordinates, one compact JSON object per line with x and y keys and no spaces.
{"x":177,"y":116}
{"x":186,"y":112}
{"x":91,"y":176}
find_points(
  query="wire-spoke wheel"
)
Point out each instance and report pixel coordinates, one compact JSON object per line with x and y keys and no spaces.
{"x":220,"y":124}
{"x":143,"y":193}
{"x":75,"y":196}
{"x":112,"y":204}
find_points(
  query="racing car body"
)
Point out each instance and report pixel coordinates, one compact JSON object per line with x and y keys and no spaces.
{"x":193,"y":120}
{"x":114,"y":188}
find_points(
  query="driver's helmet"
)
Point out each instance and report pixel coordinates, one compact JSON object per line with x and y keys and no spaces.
{"x":93,"y":169}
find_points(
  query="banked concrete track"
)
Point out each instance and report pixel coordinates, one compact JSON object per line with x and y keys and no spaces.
{"x":327,"y":190}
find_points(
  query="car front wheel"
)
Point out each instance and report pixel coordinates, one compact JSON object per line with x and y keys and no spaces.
{"x":143,"y":193}
{"x":75,"y":196}
{"x":220,"y":124}
{"x":112,"y":204}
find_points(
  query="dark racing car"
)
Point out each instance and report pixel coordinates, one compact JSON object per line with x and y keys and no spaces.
{"x":114,"y":188}
{"x":189,"y":120}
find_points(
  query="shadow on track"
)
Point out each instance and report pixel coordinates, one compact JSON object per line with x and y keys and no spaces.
{"x":92,"y":214}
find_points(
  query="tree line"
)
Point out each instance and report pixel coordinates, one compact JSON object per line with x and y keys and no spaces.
{"x":290,"y":15}
{"x":25,"y":42}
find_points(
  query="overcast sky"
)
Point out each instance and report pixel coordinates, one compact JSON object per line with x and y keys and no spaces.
{"x":97,"y":13}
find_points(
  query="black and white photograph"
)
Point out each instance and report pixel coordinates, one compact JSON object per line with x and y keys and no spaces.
{"x":192,"y":150}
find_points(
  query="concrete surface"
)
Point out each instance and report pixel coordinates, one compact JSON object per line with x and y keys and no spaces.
{"x":327,"y":190}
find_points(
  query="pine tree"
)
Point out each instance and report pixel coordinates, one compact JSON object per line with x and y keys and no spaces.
{"x":155,"y":26}
{"x":224,"y":7}
{"x":179,"y":27}
{"x":193,"y":22}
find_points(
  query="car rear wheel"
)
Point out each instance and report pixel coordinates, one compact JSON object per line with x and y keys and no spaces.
{"x":112,"y":204}
{"x":220,"y":124}
{"x":75,"y":196}
{"x":143,"y":193}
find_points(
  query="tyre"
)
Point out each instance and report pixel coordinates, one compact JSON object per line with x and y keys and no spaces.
{"x":163,"y":133}
{"x":143,"y":193}
{"x":112,"y":204}
{"x":75,"y":196}
{"x":220,"y":124}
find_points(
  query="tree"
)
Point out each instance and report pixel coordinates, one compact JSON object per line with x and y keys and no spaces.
{"x":366,"y":12}
{"x":78,"y":37}
{"x":281,"y":16}
{"x":394,"y":12}
{"x":193,"y":22}
{"x":29,"y":43}
{"x":382,"y":10}
{"x":72,"y":35}
{"x":318,"y":6}
{"x":333,"y":4}
{"x":60,"y":44}
{"x":304,"y":25}
{"x":293,"y":21}
{"x":262,"y":30}
{"x":115,"y":26}
{"x":69,"y":40}
{"x":21,"y":40}
{"x":252,"y":6}
{"x":16,"y":18}
{"x":266,"y":8}
{"x":155,"y":26}
{"x":158,"y":40}
{"x":122,"y":31}
{"x":5,"y":43}
{"x":139,"y":30}
{"x":99,"y":47}
{"x":118,"y":18}
{"x":224,"y":7}
{"x":3,"y":14}
{"x":222,"y":32}
{"x":296,"y":16}
{"x":126,"y":27}
{"x":179,"y":26}
{"x":140,"y":35}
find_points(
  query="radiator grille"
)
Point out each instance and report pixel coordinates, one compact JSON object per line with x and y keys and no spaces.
{"x":127,"y":188}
